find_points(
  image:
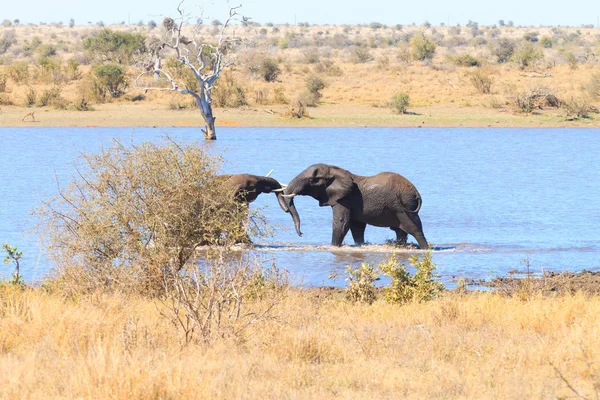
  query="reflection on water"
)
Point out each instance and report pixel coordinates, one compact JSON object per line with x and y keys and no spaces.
{"x":491,"y":197}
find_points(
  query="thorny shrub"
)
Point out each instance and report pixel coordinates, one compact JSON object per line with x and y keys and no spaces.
{"x":133,"y":214}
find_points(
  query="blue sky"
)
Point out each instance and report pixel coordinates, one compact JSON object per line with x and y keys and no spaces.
{"x":528,"y":12}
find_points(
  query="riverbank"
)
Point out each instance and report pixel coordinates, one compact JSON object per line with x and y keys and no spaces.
{"x":316,"y":344}
{"x":136,"y":114}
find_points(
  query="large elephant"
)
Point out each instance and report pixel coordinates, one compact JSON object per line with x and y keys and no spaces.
{"x":386,"y":199}
{"x":247,"y":188}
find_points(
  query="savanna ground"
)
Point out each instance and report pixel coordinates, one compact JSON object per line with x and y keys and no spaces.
{"x":458,"y":76}
{"x":315,"y":344}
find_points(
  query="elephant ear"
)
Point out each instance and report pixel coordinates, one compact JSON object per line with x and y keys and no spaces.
{"x":341,"y":186}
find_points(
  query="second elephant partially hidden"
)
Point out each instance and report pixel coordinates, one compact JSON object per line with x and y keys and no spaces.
{"x":386,"y":199}
{"x":246,"y":188}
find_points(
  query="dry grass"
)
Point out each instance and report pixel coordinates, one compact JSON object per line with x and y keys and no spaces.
{"x":317,"y":346}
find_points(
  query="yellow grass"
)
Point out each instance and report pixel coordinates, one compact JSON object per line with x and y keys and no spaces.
{"x":317,"y":346}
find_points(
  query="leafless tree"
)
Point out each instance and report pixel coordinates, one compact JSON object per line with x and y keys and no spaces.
{"x":205,"y":61}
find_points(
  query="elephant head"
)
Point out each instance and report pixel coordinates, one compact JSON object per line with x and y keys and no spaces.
{"x":326,"y":183}
{"x":248,"y":187}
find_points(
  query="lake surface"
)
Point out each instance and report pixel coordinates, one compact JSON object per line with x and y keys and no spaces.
{"x":491,"y":197}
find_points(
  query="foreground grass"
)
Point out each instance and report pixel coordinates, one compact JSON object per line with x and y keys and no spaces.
{"x":317,"y":346}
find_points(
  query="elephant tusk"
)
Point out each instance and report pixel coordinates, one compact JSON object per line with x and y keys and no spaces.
{"x":289,"y":195}
{"x":283,"y":185}
{"x":269,"y":174}
{"x":277,"y":190}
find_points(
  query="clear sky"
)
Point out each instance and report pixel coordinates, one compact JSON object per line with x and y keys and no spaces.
{"x":390,"y":12}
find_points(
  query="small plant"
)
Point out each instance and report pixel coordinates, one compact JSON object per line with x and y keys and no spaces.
{"x":404,"y":288}
{"x":361,"y":283}
{"x":399,"y":103}
{"x":30,"y":97}
{"x":13,"y":255}
{"x":82,"y":105}
{"x":481,"y":81}
{"x":3,"y":79}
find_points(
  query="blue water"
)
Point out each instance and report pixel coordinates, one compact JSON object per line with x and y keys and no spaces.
{"x":491,"y":197}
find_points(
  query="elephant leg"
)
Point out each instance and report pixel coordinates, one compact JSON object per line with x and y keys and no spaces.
{"x":411,"y":223}
{"x":401,"y":235}
{"x":341,"y":224}
{"x":358,"y":232}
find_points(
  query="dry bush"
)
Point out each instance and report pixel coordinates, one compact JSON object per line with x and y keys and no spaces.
{"x":3,"y":79}
{"x":481,"y":80}
{"x":579,"y":107}
{"x":592,"y":87}
{"x":536,"y":98}
{"x":229,"y":93}
{"x":5,"y":100}
{"x":328,"y":67}
{"x":134,"y":215}
{"x":223,"y":297}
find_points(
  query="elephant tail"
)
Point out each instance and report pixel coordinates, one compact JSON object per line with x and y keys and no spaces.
{"x":416,"y":210}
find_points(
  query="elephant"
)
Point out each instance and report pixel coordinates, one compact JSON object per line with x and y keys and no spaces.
{"x":387,"y":199}
{"x":246,"y":188}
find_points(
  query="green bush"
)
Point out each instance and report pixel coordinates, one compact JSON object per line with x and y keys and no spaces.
{"x":400,"y":102}
{"x":112,"y":79}
{"x":19,"y":72}
{"x":422,"y":48}
{"x":114,"y":46}
{"x":404,"y":288}
{"x":527,"y":55}
{"x":361,"y":283}
{"x":465,"y":60}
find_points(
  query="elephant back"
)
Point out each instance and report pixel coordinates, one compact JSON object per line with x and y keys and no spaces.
{"x":406,"y":193}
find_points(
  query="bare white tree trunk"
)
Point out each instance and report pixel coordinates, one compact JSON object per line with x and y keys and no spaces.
{"x":191,"y":53}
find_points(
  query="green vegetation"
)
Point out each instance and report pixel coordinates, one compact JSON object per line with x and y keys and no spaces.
{"x":114,"y":46}
{"x":400,"y":102}
{"x":422,"y":48}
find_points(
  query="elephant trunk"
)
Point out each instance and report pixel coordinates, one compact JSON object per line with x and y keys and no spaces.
{"x":288,"y":208}
{"x":295,"y":216}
